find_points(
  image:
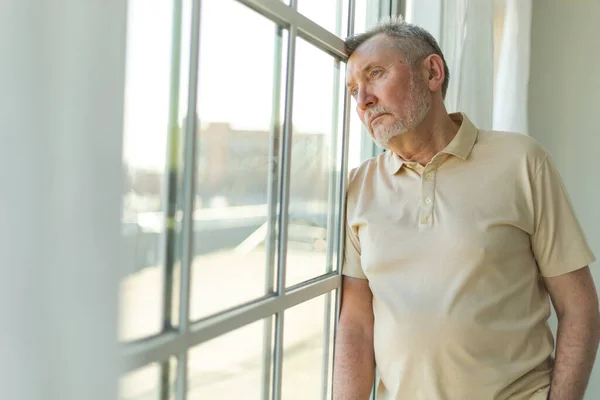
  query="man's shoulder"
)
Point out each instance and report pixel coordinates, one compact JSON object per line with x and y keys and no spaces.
{"x":510,"y":146}
{"x":519,"y":140}
{"x":368,"y":170}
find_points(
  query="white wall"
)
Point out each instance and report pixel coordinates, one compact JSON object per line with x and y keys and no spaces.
{"x":564,"y":105}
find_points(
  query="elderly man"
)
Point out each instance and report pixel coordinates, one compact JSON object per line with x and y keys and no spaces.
{"x":457,"y":239}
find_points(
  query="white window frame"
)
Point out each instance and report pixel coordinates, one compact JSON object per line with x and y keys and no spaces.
{"x":177,"y":340}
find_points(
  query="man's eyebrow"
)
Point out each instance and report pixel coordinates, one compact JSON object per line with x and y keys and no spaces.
{"x":365,"y":68}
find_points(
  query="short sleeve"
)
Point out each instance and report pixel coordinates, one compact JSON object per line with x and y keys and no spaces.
{"x":352,"y":266}
{"x":558,"y":242}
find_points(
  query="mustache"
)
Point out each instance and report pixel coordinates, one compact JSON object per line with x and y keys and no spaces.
{"x":374,"y":111}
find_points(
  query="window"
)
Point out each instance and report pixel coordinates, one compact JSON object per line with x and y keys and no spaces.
{"x":236,"y":146}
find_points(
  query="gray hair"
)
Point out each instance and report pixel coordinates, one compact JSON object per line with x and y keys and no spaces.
{"x":414,"y":42}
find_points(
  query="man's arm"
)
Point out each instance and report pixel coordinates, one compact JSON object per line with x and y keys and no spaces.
{"x":354,"y":366}
{"x":576,"y":303}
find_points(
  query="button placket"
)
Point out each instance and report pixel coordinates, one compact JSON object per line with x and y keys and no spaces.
{"x":427,"y":196}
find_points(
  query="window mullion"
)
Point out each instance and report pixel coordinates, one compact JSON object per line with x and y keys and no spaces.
{"x":284,"y":196}
{"x":189,"y":194}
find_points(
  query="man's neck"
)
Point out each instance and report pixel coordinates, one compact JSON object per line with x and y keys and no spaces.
{"x":430,"y":137}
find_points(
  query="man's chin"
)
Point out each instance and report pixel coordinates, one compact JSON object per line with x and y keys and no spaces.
{"x":381,"y":141}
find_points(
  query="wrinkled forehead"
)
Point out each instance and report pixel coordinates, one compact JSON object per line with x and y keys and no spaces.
{"x":377,"y":50}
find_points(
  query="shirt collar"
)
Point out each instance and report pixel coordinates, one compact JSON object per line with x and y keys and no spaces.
{"x":465,"y":138}
{"x":460,"y":146}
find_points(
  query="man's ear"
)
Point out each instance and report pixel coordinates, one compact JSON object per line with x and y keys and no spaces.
{"x":435,"y":75}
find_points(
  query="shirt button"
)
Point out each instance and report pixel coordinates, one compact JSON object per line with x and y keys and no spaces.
{"x":427,"y":200}
{"x":428,"y":175}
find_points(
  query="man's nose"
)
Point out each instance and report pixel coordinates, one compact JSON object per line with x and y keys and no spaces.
{"x":365,"y":99}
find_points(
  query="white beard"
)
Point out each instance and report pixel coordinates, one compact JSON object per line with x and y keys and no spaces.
{"x":414,"y":115}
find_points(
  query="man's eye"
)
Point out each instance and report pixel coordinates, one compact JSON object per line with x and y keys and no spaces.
{"x":354,"y":92}
{"x":375,"y":73}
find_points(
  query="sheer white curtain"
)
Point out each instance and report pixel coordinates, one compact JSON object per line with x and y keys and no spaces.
{"x":62,"y":82}
{"x":468,"y":45}
{"x":464,"y":30}
{"x":512,"y":77}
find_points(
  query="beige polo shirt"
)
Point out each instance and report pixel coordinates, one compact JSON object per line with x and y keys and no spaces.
{"x":454,"y":253}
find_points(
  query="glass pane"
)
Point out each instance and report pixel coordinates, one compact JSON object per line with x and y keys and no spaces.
{"x":148,"y":131}
{"x":315,"y":161}
{"x":144,"y":383}
{"x":237,"y":157}
{"x":330,"y":14}
{"x":303,"y":352}
{"x":229,"y":366}
{"x":408,"y":10}
{"x":368,"y":12}
{"x":141,"y":383}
